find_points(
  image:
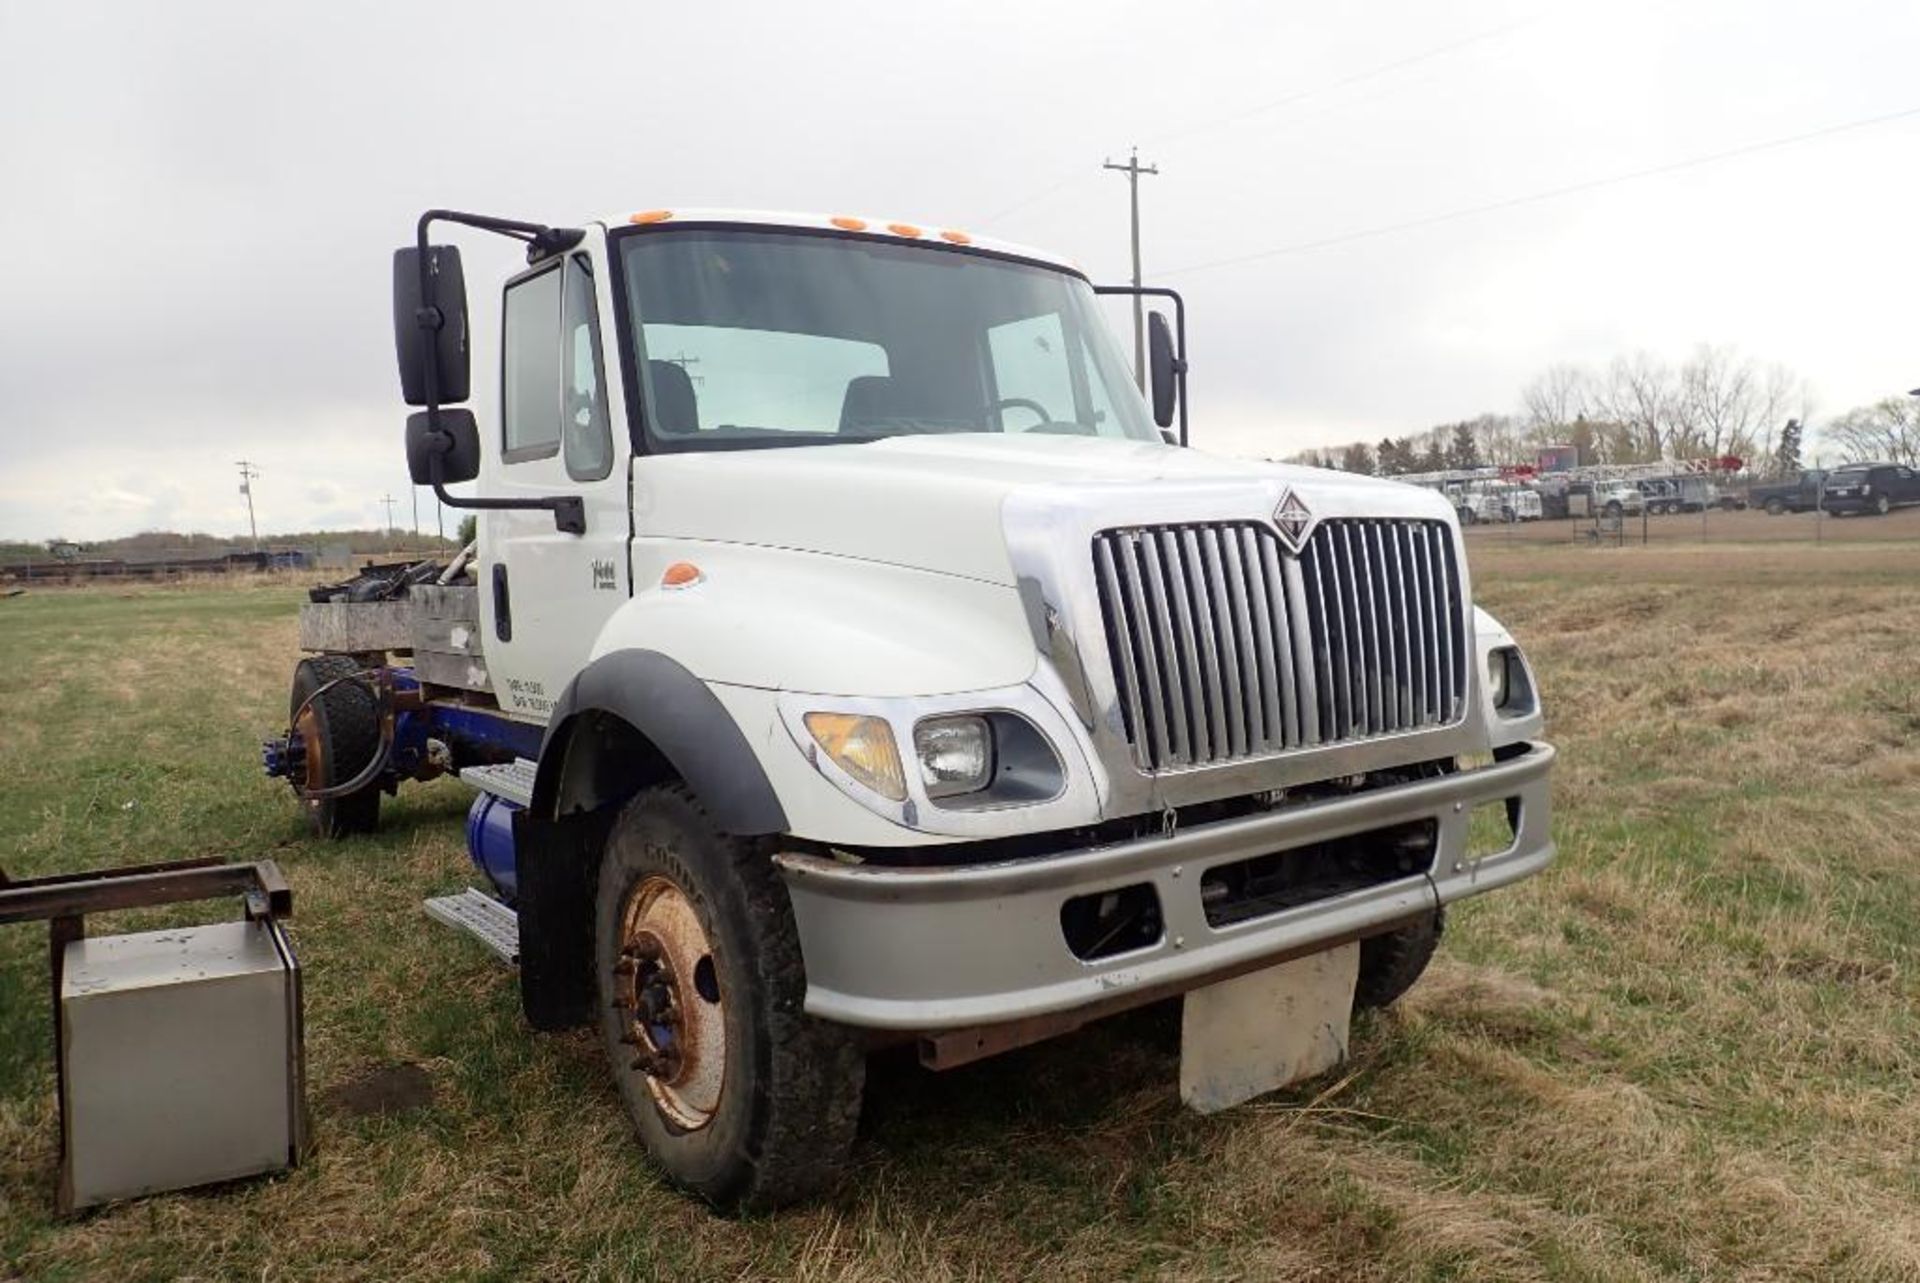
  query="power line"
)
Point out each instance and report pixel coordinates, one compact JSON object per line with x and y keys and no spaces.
{"x":1553,"y":193}
{"x":1359,"y":77}
{"x":1133,"y":169}
{"x":1261,"y":109}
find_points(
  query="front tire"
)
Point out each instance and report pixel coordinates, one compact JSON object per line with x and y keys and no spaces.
{"x":1390,"y":963}
{"x":737,"y":1093}
{"x":1882,"y":505}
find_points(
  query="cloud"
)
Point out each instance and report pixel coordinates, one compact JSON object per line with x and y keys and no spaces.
{"x":202,"y":199}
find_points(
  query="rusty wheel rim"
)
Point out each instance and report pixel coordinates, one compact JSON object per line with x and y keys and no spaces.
{"x":667,"y":992}
{"x":313,"y":750}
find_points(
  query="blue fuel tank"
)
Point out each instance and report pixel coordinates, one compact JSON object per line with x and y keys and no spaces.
{"x":490,"y":841}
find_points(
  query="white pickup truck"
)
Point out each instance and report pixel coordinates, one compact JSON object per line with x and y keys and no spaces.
{"x":878,"y":665}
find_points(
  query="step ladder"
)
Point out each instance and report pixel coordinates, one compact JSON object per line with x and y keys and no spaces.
{"x":483,"y":917}
{"x":475,"y":912}
{"x":512,"y":781}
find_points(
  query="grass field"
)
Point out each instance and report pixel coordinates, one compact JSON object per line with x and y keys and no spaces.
{"x":1687,"y":1051}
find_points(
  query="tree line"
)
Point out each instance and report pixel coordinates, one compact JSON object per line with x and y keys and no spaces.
{"x":1640,"y":409}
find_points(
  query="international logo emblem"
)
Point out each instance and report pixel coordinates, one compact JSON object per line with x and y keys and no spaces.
{"x":1293,"y":519}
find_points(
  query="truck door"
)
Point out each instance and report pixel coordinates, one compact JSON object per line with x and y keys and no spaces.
{"x":544,"y":594}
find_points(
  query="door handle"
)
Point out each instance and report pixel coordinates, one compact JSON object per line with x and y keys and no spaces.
{"x":502,"y":604}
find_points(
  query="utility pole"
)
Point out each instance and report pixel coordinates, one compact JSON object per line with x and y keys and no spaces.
{"x":388,"y":500}
{"x":1133,"y":169}
{"x":247,"y":475}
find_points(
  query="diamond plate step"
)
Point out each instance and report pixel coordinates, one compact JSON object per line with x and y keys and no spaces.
{"x":513,"y":781}
{"x":483,"y":917}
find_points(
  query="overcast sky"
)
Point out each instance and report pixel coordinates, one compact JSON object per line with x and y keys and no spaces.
{"x":200,"y":200}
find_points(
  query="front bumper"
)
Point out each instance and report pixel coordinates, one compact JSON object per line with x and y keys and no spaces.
{"x":948,"y":948}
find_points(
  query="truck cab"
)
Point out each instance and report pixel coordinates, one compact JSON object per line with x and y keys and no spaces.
{"x":877,"y":664}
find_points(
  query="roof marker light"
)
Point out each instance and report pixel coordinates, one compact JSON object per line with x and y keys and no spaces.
{"x":652,"y":216}
{"x":903,"y":229}
{"x":847,"y":224}
{"x":956,"y":238}
{"x":681,"y":574}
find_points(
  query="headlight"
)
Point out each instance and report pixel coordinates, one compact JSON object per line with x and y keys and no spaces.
{"x":956,"y":754}
{"x":1509,"y":684}
{"x":862,"y":747}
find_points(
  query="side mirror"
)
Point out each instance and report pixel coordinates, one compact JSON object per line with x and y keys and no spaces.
{"x":431,"y":340}
{"x":1164,"y":367}
{"x":457,"y":446}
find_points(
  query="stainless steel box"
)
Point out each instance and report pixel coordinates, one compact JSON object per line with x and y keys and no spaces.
{"x":181,"y":1059}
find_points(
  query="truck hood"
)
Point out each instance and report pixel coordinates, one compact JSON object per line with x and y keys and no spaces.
{"x":935,"y":502}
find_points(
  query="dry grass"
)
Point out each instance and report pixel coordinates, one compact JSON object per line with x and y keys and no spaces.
{"x":1688,"y":1051}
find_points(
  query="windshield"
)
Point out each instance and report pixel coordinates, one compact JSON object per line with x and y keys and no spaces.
{"x":749,"y":338}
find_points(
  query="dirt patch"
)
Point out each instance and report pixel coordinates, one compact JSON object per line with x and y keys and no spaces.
{"x":381,"y":1092}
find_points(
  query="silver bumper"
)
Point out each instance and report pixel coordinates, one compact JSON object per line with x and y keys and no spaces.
{"x":948,"y":948}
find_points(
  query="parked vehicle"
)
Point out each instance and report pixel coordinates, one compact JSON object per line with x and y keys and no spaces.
{"x":850,"y":655}
{"x":1682,"y":492}
{"x":1801,"y":494}
{"x":1618,"y":499}
{"x":1496,"y":501}
{"x":1875,"y":488}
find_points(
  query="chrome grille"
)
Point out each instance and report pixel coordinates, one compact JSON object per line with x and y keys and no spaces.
{"x":1223,"y":646}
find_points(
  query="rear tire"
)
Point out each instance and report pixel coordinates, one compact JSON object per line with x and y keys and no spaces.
{"x":1882,"y":505}
{"x":343,"y":726}
{"x":1775,"y":507}
{"x":775,"y":1123}
{"x":1390,"y":963}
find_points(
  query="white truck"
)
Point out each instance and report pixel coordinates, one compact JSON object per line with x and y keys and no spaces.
{"x":1496,"y":501}
{"x":851,"y":654}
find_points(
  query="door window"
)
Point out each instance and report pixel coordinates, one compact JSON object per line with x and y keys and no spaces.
{"x":587,"y":440}
{"x":530,"y":369}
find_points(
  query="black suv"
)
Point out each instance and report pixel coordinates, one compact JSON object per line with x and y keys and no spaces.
{"x":1871,"y":487}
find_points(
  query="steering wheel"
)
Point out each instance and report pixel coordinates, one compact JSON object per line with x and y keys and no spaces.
{"x":1021,"y":403}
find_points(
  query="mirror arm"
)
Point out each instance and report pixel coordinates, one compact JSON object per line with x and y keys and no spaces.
{"x":1179,"y":336}
{"x":569,"y":511}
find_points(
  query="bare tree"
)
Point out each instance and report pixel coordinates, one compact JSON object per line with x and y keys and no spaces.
{"x":1718,"y":404}
{"x":1501,"y":439}
{"x":1885,"y":432}
{"x":1558,"y":396}
{"x":1638,"y":399}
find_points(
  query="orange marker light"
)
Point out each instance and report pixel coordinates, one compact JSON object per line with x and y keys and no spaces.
{"x":903,"y":229}
{"x":957,"y":238}
{"x":681,"y":574}
{"x":846,"y":224}
{"x":652,"y":216}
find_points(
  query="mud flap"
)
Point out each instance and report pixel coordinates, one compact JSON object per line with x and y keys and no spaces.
{"x":1246,"y":1036}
